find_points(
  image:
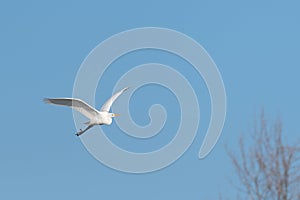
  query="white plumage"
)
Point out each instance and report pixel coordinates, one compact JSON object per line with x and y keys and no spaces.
{"x":101,"y":117}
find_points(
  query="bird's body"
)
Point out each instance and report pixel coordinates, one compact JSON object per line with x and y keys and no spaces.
{"x":101,"y":117}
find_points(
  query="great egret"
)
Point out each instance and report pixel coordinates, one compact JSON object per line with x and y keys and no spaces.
{"x":96,"y":117}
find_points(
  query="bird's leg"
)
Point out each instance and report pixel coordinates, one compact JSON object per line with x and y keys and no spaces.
{"x":82,"y":131}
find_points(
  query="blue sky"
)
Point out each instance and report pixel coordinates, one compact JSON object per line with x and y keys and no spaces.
{"x":254,"y":44}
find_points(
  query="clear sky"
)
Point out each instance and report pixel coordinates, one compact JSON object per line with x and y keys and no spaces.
{"x":42,"y":45}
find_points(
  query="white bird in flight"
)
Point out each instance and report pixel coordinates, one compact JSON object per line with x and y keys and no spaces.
{"x":101,"y":117}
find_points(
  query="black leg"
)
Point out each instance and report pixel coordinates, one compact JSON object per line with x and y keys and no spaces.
{"x":82,"y":131}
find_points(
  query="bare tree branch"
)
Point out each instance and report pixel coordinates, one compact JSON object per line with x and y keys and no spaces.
{"x":269,"y":168}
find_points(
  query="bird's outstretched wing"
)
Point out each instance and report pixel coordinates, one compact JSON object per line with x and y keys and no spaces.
{"x":75,"y":104}
{"x":109,"y":102}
